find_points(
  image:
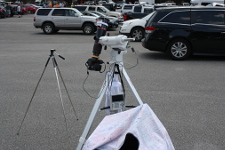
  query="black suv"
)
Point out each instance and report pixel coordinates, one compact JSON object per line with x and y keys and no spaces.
{"x":182,"y":31}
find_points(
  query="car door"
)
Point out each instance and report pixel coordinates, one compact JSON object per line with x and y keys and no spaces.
{"x":58,"y":17}
{"x":71,"y":19}
{"x":208,"y":34}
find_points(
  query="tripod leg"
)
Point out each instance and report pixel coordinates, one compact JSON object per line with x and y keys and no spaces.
{"x":60,"y":93}
{"x":67,"y":91}
{"x":132,"y":87}
{"x":93,"y":114}
{"x":33,"y":95}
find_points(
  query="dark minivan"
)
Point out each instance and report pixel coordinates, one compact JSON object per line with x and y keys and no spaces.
{"x":182,"y":31}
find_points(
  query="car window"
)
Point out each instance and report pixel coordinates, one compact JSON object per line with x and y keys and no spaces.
{"x":58,"y":12}
{"x":99,"y":9}
{"x":148,"y":16}
{"x":148,"y":10}
{"x":205,"y":4}
{"x":43,"y":12}
{"x":137,"y":9}
{"x":104,"y":9}
{"x":80,"y":8}
{"x":208,"y":17}
{"x":177,"y":17}
{"x":128,"y":7}
{"x":70,"y":13}
{"x":91,"y":9}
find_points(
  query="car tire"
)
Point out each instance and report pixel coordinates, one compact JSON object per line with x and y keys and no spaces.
{"x":179,"y":49}
{"x":88,"y":29}
{"x":137,"y":33}
{"x":48,"y":28}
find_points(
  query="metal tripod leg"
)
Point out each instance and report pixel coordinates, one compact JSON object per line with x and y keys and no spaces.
{"x":97,"y":104}
{"x":67,"y":93}
{"x":34,"y":94}
{"x":56,"y":68}
{"x":93,"y":114}
{"x":60,"y":93}
{"x":132,"y":87}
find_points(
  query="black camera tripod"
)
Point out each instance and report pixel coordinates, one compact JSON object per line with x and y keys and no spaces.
{"x":57,"y":71}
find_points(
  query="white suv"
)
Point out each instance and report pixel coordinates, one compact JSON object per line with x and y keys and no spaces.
{"x":51,"y":20}
{"x":127,"y":8}
{"x":135,"y":28}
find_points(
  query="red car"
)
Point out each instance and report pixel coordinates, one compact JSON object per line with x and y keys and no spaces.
{"x":24,"y":9}
{"x":30,"y":9}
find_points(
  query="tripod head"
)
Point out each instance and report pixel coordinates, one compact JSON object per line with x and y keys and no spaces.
{"x":52,"y":51}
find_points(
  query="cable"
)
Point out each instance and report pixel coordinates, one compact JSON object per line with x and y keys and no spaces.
{"x":137,"y":63}
{"x":86,"y":80}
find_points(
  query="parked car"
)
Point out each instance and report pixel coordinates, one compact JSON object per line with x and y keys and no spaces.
{"x":113,"y":21}
{"x":2,"y":11}
{"x":14,"y":9}
{"x":30,"y":8}
{"x":33,"y":5}
{"x":110,"y":6}
{"x":138,"y":11}
{"x":216,"y":4}
{"x":24,"y":9}
{"x":119,"y":5}
{"x":51,"y":20}
{"x":182,"y":31}
{"x":101,"y":2}
{"x":135,"y":28}
{"x":127,"y":8}
{"x":98,"y":8}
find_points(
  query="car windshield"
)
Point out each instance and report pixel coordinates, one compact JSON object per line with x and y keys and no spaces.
{"x":148,"y":16}
{"x":106,"y":9}
{"x":78,"y":12}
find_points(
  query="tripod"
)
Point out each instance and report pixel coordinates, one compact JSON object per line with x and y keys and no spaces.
{"x":56,"y":68}
{"x":116,"y":60}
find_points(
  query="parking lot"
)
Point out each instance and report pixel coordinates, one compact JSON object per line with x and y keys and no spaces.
{"x":187,"y":96}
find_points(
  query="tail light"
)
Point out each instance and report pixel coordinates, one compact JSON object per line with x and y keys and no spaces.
{"x":34,"y":19}
{"x":125,"y":17}
{"x":149,"y":29}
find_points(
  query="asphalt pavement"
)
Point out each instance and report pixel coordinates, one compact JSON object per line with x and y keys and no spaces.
{"x":187,"y":96}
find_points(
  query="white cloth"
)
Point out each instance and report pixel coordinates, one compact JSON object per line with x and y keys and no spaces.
{"x":140,"y":122}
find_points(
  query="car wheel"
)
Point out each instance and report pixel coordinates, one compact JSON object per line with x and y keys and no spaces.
{"x":88,"y":29}
{"x":137,"y":33}
{"x":48,"y":28}
{"x":179,"y":49}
